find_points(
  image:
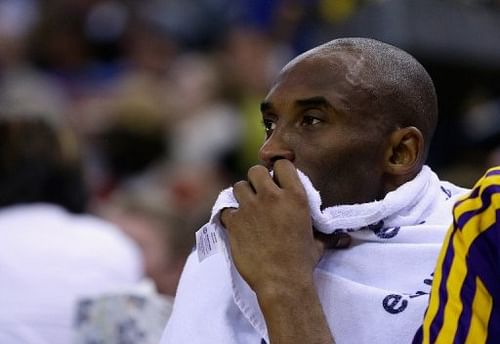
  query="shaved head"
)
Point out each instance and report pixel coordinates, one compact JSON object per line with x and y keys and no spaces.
{"x":397,"y":90}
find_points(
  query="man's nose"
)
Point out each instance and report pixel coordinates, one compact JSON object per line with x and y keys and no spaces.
{"x":274,"y":148}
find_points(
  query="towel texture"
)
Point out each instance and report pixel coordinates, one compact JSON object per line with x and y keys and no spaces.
{"x":373,"y":292}
{"x":400,"y":207}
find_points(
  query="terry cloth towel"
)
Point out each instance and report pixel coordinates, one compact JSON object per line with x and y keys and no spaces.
{"x":373,"y":292}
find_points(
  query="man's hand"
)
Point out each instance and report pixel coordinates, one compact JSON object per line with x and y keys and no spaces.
{"x":275,"y":251}
{"x":271,"y":233}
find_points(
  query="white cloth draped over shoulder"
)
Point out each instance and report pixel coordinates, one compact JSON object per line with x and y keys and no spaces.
{"x":375,"y":291}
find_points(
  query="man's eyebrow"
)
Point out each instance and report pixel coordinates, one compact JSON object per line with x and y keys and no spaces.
{"x":318,"y":101}
{"x":314,"y":102}
{"x":265,"y":106}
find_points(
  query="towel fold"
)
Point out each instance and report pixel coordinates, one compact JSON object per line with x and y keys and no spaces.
{"x":400,"y":207}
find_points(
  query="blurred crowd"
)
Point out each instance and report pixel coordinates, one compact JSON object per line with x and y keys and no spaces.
{"x":157,"y":103}
{"x":161,"y":95}
{"x":120,"y":121}
{"x":159,"y":99}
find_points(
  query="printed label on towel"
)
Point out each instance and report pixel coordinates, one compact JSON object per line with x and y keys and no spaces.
{"x":208,"y":242}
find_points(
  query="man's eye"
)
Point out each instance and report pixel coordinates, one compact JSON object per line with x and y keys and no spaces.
{"x":269,"y":125}
{"x":309,"y":120}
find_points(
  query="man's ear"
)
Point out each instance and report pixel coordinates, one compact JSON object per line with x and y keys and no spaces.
{"x":405,"y":152}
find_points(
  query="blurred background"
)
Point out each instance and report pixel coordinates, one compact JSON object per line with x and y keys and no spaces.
{"x":160,"y":98}
{"x":153,"y":108}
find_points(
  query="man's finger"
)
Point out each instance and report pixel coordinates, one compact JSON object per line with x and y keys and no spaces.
{"x":243,"y":191}
{"x":260,"y":179}
{"x":226,"y":215}
{"x":286,"y":176}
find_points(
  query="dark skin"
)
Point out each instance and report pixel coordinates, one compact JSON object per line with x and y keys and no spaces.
{"x":317,"y":119}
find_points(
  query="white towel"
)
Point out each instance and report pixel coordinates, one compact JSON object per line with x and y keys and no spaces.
{"x":373,"y":292}
{"x":399,"y":207}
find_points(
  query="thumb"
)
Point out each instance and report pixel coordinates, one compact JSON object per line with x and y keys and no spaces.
{"x":226,"y":215}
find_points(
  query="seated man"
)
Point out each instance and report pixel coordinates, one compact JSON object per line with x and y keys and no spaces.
{"x":355,"y":116}
{"x":463,"y":305}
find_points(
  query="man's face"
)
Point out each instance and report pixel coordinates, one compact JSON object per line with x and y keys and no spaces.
{"x":317,"y":116}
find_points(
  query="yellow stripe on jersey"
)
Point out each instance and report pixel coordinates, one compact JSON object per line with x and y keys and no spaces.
{"x":481,"y":311}
{"x":462,"y":240}
{"x":434,"y":299}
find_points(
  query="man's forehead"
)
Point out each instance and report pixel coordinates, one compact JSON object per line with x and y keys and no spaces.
{"x":322,"y":57}
{"x":321,"y":75}
{"x":307,"y":79}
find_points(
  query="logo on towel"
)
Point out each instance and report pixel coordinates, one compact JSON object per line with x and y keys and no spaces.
{"x":447,"y":192}
{"x":383,"y":233}
{"x":377,"y":228}
{"x":397,"y":303}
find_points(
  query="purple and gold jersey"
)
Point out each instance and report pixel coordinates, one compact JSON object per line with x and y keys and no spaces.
{"x":464,"y":305}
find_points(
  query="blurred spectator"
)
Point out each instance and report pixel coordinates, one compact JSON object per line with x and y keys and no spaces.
{"x":479,"y":130}
{"x":196,"y":23}
{"x":250,"y":61}
{"x":51,"y":253}
{"x":39,"y":165}
{"x":206,"y":127}
{"x":139,"y":316}
{"x":165,"y":239}
{"x":63,"y":45}
{"x":130,"y":139}
{"x":193,"y":187}
{"x":19,"y":80}
{"x":481,"y":126}
{"x":159,"y":209}
{"x":337,"y":10}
